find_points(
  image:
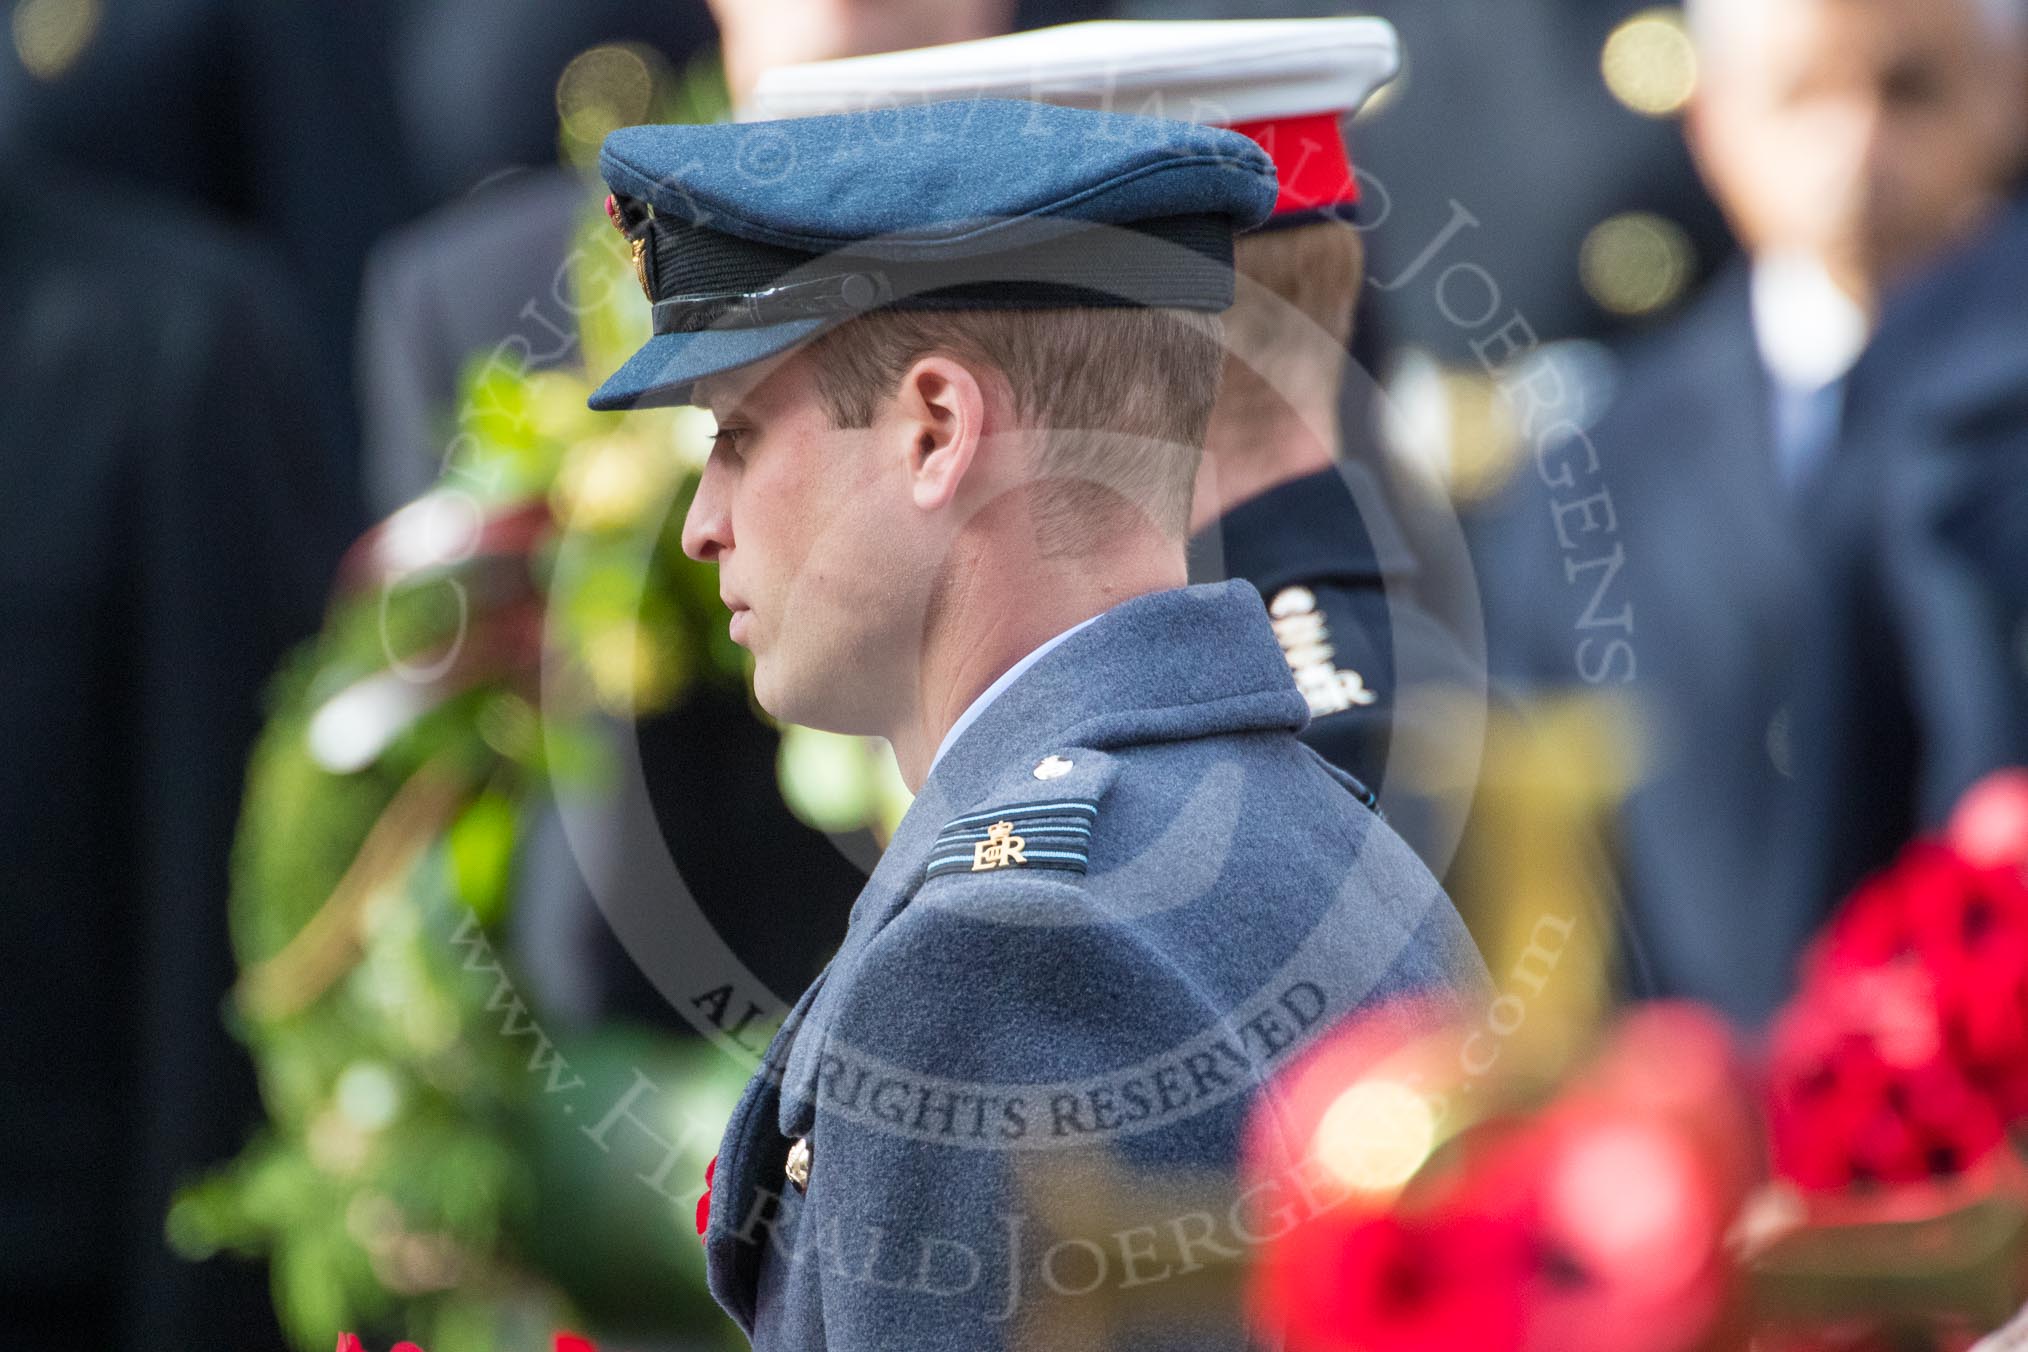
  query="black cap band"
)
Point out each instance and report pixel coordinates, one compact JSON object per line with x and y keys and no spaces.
{"x":732,"y":283}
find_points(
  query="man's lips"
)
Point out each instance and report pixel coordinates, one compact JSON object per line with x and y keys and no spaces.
{"x":742,"y":620}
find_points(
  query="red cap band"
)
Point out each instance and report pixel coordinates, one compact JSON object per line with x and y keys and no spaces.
{"x":1310,"y":161}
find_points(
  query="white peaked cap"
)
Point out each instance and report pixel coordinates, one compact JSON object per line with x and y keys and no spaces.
{"x":1218,"y":71}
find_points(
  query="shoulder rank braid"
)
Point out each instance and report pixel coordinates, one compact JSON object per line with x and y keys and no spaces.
{"x":1053,"y":835}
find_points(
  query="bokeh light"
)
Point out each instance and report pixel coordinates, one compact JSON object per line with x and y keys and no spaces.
{"x":368,"y":1095}
{"x":1649,"y":63}
{"x":630,"y":667}
{"x":1375,"y":1135}
{"x":49,"y":35}
{"x":602,"y":89}
{"x":1636,"y":263}
{"x":613,"y":483}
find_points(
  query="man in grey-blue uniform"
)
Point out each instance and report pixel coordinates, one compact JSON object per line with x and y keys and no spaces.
{"x":959,"y":416}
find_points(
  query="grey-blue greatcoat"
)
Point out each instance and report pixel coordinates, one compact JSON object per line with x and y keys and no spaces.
{"x":1199,"y":896}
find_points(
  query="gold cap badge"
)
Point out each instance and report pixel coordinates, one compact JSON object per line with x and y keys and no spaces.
{"x":631,"y":221}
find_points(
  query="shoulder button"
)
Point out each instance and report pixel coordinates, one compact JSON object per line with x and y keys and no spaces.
{"x":798,"y":1166}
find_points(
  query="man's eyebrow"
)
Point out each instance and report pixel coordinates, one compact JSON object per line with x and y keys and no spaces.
{"x":718,"y":401}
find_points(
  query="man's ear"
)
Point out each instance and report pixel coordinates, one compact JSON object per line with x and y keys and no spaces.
{"x":941,"y":410}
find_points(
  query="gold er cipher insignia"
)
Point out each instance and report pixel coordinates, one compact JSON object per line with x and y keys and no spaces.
{"x":1000,"y":848}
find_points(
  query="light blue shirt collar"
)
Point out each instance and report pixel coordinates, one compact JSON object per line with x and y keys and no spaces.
{"x":994,"y":691}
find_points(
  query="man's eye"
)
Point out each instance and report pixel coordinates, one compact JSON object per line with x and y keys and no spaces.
{"x":728,"y":439}
{"x":1914,"y":86}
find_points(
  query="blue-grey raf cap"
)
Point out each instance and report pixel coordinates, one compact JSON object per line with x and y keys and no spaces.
{"x":752,"y":237}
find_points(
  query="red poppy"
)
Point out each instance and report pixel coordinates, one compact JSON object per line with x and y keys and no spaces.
{"x":1631,"y":1198}
{"x":1905,"y":1055}
{"x":1869,"y":1073}
{"x":704,"y":1202}
{"x":1444,"y":1282}
{"x":1682,"y":1062}
{"x":1362,"y":1269}
{"x":1966,"y":923}
{"x":1896,"y":915}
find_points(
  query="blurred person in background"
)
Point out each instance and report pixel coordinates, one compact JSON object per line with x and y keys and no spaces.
{"x":486,"y":266}
{"x":1520,"y":114}
{"x":1711,"y":546}
{"x":757,"y":35}
{"x":1532,"y":146}
{"x":186,"y":218}
{"x":1292,"y":497}
{"x":1937,"y":408}
{"x":278,"y":118}
{"x":174,"y":509}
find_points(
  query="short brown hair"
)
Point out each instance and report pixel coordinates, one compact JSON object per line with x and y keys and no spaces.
{"x":1317,"y":269}
{"x":1134,"y":386}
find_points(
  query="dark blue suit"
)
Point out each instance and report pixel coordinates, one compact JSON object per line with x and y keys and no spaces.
{"x":1940,"y":408}
{"x":1675,"y":568}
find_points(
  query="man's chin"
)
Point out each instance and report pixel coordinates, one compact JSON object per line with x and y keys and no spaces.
{"x":781,"y":700}
{"x":813,"y":704}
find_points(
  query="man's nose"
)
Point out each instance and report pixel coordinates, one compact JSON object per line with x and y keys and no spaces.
{"x":707,"y":526}
{"x":1858,"y":145}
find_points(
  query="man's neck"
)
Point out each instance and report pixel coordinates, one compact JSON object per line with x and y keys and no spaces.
{"x":1245,"y":457}
{"x":978,"y":635}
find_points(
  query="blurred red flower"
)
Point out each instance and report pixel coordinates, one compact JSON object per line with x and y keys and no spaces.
{"x":1443,"y":1282}
{"x":1596,"y":1222}
{"x":704,"y":1202}
{"x":1905,"y":1054}
{"x":1636,"y":1173}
